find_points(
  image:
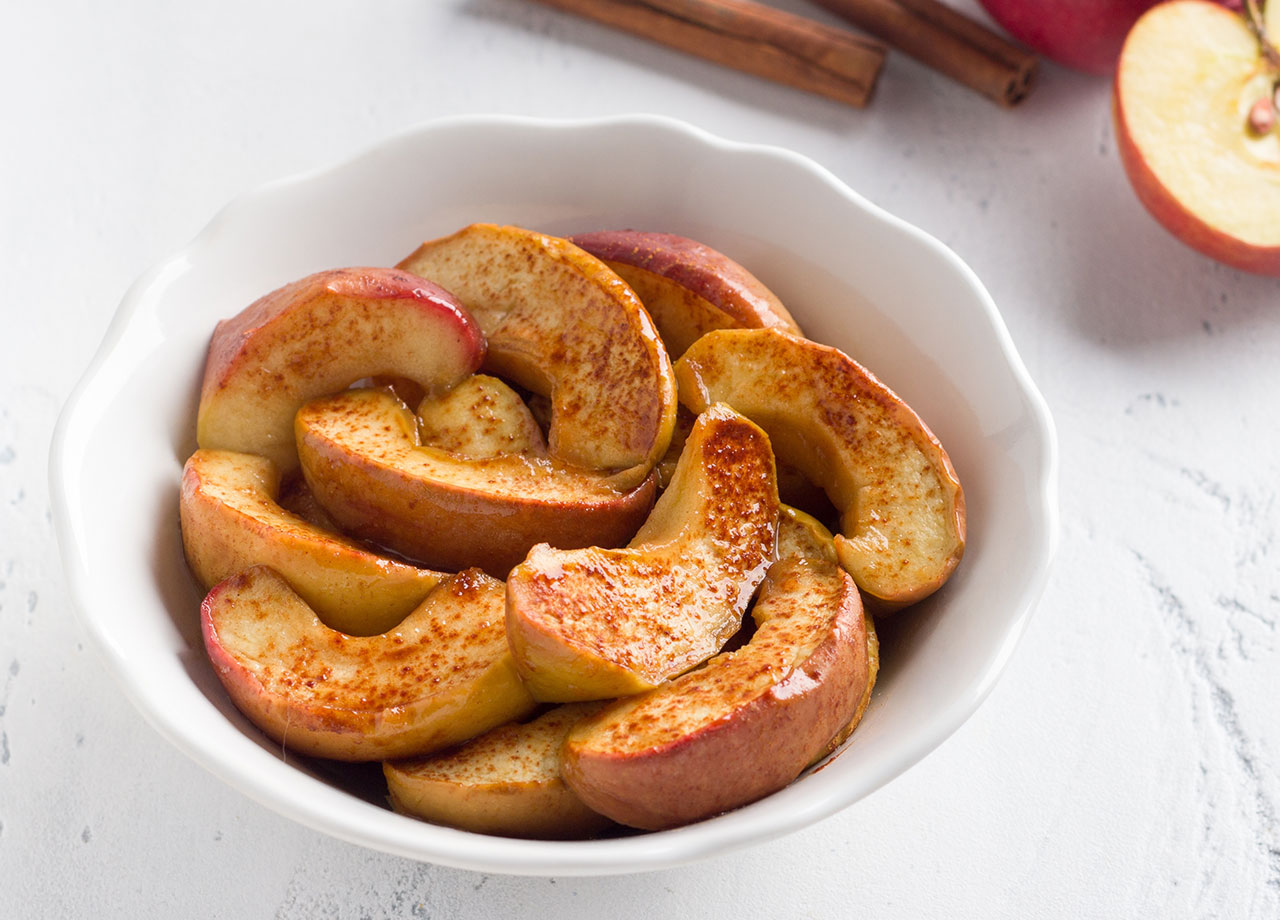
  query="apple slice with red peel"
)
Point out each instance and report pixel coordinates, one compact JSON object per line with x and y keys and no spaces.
{"x":597,"y":623}
{"x":505,"y":782}
{"x":481,"y":417}
{"x":231,"y":521}
{"x":442,"y":676}
{"x":318,"y":335}
{"x":560,"y":323}
{"x":363,"y":458}
{"x":901,"y":506}
{"x":688,"y":288}
{"x":749,"y":721}
{"x":1190,"y":73}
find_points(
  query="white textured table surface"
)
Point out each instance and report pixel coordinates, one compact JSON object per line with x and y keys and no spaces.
{"x":1126,"y":765}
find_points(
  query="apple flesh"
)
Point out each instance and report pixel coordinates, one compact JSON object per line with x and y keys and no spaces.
{"x":1084,"y":34}
{"x":1188,"y":76}
{"x":442,"y":676}
{"x":901,"y":506}
{"x":561,"y":324}
{"x":596,"y":623}
{"x":363,"y":459}
{"x":748,"y":722}
{"x":231,"y":521}
{"x":505,"y":782}
{"x":688,"y":288}
{"x":481,"y":417}
{"x":317,"y":336}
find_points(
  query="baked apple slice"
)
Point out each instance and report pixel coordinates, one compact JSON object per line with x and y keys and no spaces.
{"x":560,"y":323}
{"x":481,"y":417}
{"x":363,"y":458}
{"x":688,"y":288}
{"x":506,"y":782}
{"x":749,"y":721}
{"x":901,"y":507}
{"x":442,"y":676}
{"x":597,"y":623}
{"x":319,"y":335}
{"x":231,"y":521}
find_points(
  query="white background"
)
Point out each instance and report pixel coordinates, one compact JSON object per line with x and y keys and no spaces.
{"x":1125,"y":766}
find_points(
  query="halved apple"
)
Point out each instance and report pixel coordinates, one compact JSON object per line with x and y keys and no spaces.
{"x":231,"y":521}
{"x":505,"y":782}
{"x":1190,"y":74}
{"x":442,"y":676}
{"x":362,"y":457}
{"x":901,"y":506}
{"x":749,"y":721}
{"x":317,"y":336}
{"x":597,"y":623}
{"x":688,"y":288}
{"x":560,"y":323}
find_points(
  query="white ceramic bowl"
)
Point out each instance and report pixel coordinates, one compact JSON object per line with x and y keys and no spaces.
{"x":853,"y":275}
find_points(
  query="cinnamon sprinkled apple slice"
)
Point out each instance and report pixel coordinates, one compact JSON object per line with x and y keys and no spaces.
{"x":231,"y":520}
{"x":596,"y":623}
{"x":442,"y":676}
{"x":319,"y":335}
{"x":363,"y":458}
{"x":749,"y":721}
{"x":901,"y":507}
{"x":688,"y":288}
{"x":505,"y":782}
{"x":560,"y":323}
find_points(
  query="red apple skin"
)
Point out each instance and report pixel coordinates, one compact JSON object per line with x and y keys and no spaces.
{"x":711,"y":290}
{"x":722,"y":765}
{"x":319,"y":334}
{"x":1084,"y":34}
{"x":1182,"y":223}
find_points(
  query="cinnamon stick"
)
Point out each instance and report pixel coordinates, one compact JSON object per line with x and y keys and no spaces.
{"x":750,"y":37}
{"x":948,"y":41}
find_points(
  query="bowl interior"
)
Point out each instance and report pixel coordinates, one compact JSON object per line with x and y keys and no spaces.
{"x":852,"y":275}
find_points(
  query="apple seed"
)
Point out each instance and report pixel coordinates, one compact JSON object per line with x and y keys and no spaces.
{"x":1262,"y":117}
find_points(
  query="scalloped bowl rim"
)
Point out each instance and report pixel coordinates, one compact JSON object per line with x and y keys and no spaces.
{"x":268,"y":779}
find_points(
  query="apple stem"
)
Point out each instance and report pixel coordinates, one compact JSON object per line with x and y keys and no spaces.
{"x":1254,"y":18}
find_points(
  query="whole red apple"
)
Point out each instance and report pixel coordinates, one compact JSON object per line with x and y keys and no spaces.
{"x":1084,"y":34}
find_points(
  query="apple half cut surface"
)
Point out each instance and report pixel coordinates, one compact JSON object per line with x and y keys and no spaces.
{"x":319,"y":335}
{"x":561,"y":324}
{"x":594,"y":623}
{"x":688,"y":288}
{"x":505,"y":782}
{"x":231,"y":521}
{"x":363,"y":458}
{"x":1189,"y":75}
{"x":441,"y":677}
{"x":749,"y":721}
{"x":901,"y":507}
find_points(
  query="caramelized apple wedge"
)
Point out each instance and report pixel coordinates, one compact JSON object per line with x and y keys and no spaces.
{"x":560,"y":323}
{"x":319,"y":335}
{"x":506,"y":782}
{"x":231,"y":521}
{"x":362,"y":457}
{"x":480,"y":418}
{"x":749,"y":721}
{"x":688,"y":288}
{"x":597,"y":623}
{"x":442,"y":676}
{"x":902,"y":513}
